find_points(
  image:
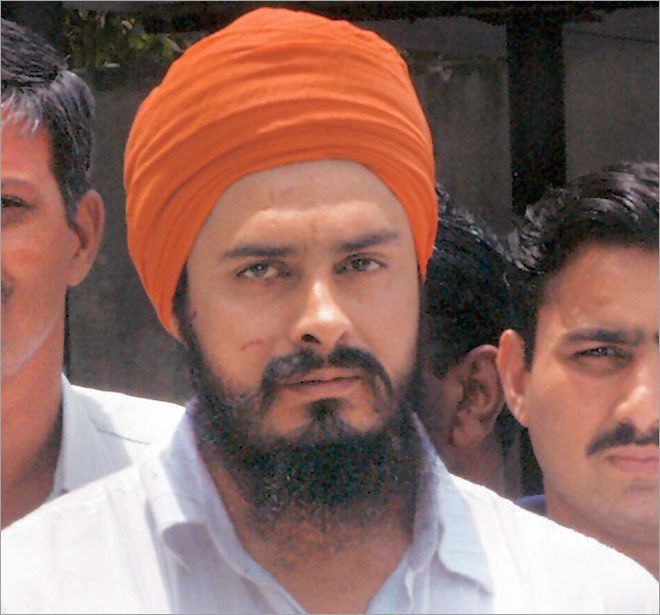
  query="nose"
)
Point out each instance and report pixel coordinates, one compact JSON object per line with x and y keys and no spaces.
{"x":639,"y":404}
{"x":322,"y":322}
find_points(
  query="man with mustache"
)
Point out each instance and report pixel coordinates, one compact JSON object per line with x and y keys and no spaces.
{"x":581,"y":369}
{"x":56,"y":436}
{"x":281,"y":212}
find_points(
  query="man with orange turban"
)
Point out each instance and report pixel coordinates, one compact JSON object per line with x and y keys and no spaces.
{"x":281,"y":212}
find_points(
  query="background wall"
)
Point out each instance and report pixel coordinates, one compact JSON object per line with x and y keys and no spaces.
{"x":116,"y":340}
{"x":611,"y":92}
{"x":459,"y":68}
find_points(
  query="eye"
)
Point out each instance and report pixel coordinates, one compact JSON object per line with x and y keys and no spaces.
{"x":13,"y":210}
{"x":262,"y":271}
{"x":609,"y":355}
{"x":599,"y":352}
{"x":360,"y":264}
{"x":13,"y":202}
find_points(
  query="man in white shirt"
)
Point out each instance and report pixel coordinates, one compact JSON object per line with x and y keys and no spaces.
{"x":284,"y":247}
{"x":55,"y":437}
{"x":580,"y":369}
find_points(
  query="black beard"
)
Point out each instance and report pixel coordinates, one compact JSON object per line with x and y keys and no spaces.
{"x":327,"y":476}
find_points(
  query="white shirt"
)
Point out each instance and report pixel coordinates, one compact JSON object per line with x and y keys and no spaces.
{"x":103,"y":432}
{"x":156,"y":538}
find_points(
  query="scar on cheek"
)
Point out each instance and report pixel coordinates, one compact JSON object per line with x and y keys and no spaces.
{"x":250,"y":344}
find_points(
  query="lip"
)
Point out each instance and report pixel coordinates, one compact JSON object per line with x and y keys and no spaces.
{"x":324,"y":383}
{"x":642,"y":460}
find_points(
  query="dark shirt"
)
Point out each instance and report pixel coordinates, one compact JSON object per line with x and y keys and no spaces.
{"x":533,"y":503}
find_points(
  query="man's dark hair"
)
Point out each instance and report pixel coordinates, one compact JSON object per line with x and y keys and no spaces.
{"x":38,"y":90}
{"x":466,"y":297}
{"x":615,"y":206}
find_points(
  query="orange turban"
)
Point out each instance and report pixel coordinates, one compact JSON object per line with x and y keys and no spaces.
{"x":275,"y":87}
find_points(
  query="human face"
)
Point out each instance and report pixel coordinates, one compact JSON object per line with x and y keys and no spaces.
{"x":39,"y":247}
{"x":310,"y":255}
{"x":592,"y":388}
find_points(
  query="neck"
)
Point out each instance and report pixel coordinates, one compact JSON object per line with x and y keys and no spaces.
{"x":337,"y":568}
{"x":31,"y":429}
{"x":483,"y":465}
{"x":638,"y":541}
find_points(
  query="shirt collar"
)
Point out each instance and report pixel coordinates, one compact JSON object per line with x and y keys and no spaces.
{"x":187,"y":509}
{"x":182,"y":494}
{"x":444,"y":516}
{"x":82,"y":450}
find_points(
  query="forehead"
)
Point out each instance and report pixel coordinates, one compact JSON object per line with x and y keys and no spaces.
{"x":607,"y":286}
{"x":305,"y":203}
{"x":24,"y":146}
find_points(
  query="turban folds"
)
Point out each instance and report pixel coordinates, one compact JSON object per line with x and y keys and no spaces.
{"x":275,"y":87}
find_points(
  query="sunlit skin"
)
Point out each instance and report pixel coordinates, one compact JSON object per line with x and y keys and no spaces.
{"x":316,"y":255}
{"x":595,"y":367}
{"x":42,"y":255}
{"x":37,"y":247}
{"x":313,"y":254}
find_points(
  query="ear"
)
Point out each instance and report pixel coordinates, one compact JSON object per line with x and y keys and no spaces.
{"x":513,"y":373}
{"x":482,"y":398}
{"x":87,"y":227}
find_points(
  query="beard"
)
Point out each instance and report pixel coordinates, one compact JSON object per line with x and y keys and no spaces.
{"x":327,"y":475}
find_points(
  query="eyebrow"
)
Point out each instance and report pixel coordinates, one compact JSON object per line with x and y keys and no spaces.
{"x":11,"y":183}
{"x":607,"y":336}
{"x":259,"y":250}
{"x":262,"y":250}
{"x":367,"y":241}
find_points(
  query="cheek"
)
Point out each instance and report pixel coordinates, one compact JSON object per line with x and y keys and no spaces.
{"x":236,"y":339}
{"x":37,"y":264}
{"x":253,"y":344}
{"x":562,"y":420}
{"x":35,"y":280}
{"x":393,"y":321}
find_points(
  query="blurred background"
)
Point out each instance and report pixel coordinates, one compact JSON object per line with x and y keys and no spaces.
{"x":519,"y":96}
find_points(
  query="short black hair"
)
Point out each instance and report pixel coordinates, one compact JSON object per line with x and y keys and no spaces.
{"x":467,"y":302}
{"x":615,"y":206}
{"x":39,"y":91}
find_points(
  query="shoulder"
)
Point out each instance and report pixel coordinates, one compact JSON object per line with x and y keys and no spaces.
{"x":555,"y":561}
{"x":50,"y":557}
{"x":137,"y":419}
{"x":71,"y":513}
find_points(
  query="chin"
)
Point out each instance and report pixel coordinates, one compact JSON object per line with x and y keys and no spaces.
{"x":326,"y":421}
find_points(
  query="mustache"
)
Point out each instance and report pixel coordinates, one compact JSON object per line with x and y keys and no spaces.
{"x":624,"y":434}
{"x":307,"y":360}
